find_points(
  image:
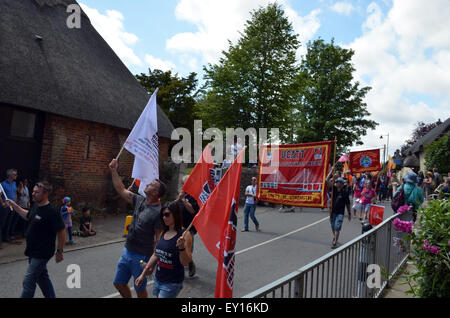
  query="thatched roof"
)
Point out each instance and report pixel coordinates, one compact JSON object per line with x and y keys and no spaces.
{"x":430,"y":137}
{"x":70,"y":72}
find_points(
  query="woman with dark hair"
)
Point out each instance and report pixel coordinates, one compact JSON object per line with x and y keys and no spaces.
{"x":172,"y":254}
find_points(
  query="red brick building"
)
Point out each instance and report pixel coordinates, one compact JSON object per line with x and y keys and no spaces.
{"x":67,"y":103}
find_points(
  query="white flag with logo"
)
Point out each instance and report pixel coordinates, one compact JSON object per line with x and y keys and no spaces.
{"x":143,"y":143}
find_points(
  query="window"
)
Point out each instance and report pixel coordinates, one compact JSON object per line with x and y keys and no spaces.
{"x":22,"y":124}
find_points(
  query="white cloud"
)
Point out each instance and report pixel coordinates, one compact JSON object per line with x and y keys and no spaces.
{"x":404,"y":54}
{"x":111,"y":28}
{"x":344,"y":8}
{"x":156,"y":63}
{"x":220,"y":21}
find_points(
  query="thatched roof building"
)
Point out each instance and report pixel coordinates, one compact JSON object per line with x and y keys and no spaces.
{"x":67,"y":102}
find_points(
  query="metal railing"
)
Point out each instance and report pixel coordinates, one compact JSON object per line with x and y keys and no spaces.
{"x":345,"y":272}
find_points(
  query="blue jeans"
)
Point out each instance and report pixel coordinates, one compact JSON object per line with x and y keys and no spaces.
{"x":249,"y":209}
{"x":166,"y":290}
{"x":37,"y":274}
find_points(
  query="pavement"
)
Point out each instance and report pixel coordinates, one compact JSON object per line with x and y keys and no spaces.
{"x":110,"y":230}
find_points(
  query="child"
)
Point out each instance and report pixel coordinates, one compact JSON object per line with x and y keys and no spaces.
{"x":86,"y":223}
{"x":66,"y":213}
{"x":368,"y":195}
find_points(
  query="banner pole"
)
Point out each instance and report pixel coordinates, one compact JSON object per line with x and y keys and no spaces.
{"x":332,"y":184}
{"x":120,"y":152}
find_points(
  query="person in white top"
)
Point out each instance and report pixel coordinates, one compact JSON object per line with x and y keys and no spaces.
{"x":250,"y":205}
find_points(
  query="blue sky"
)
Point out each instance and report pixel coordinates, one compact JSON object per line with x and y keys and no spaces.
{"x":402,"y":48}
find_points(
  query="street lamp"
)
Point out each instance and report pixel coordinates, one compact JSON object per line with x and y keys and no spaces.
{"x":387,"y":147}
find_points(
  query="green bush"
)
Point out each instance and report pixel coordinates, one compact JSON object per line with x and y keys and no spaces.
{"x":430,"y":252}
{"x":437,"y":154}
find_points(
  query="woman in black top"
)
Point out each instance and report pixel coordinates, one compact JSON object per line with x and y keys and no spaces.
{"x":172,"y":253}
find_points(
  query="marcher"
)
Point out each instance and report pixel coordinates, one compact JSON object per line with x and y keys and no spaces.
{"x":340,"y":201}
{"x":172,"y":253}
{"x":412,"y":192}
{"x":9,"y":225}
{"x":427,"y":184}
{"x":394,"y":184}
{"x":66,"y":214}
{"x":437,"y":178}
{"x":368,"y":196}
{"x":250,"y":206}
{"x":86,"y":223}
{"x":45,"y":225}
{"x":142,"y":233}
{"x":189,"y":209}
{"x":357,"y":190}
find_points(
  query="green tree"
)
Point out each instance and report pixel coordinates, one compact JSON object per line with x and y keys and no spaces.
{"x":253,"y":85}
{"x":330,"y":103}
{"x":176,"y":95}
{"x":437,"y":154}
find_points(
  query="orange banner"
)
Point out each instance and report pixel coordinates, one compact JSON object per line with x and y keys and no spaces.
{"x":294,"y":174}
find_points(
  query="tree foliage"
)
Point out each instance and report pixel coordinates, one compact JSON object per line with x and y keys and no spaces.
{"x":176,"y":95}
{"x":437,"y":154}
{"x":330,"y":103}
{"x":253,"y":83}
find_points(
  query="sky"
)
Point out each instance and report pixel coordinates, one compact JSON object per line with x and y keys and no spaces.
{"x":402,"y":47}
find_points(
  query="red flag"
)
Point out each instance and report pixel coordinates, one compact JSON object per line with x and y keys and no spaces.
{"x":216,"y":224}
{"x":200,"y":183}
{"x":376,"y":214}
{"x":365,"y":161}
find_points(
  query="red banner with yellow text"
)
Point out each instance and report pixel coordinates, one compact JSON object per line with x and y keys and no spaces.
{"x":365,"y":161}
{"x":294,"y":174}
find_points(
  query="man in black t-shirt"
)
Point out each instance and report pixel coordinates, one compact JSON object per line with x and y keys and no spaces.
{"x":340,"y":201}
{"x":45,"y":225}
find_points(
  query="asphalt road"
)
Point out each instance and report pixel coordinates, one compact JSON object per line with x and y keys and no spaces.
{"x":287,"y":242}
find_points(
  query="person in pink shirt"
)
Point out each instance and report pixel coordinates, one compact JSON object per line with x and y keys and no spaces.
{"x":357,"y":190}
{"x":368,"y":196}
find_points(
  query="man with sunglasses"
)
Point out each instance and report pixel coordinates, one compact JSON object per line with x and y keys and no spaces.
{"x":45,"y":224}
{"x":144,"y":230}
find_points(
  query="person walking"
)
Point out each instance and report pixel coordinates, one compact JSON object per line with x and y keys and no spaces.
{"x":357,"y":190}
{"x":427,"y":184}
{"x":173,"y":252}
{"x":413,"y":193}
{"x":145,"y":227}
{"x":190,"y":209}
{"x":45,"y":226}
{"x":340,"y":202}
{"x":368,"y":196}
{"x":250,"y":206}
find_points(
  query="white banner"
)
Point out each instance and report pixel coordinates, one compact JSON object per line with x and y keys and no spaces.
{"x":143,"y":143}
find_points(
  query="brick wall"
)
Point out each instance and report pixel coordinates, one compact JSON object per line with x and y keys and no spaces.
{"x":75,"y":157}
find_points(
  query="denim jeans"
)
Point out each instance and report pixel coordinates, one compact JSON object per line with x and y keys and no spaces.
{"x":249,"y":209}
{"x":37,"y":274}
{"x":166,"y":290}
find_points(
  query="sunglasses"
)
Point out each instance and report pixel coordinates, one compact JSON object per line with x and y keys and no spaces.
{"x":40,"y":185}
{"x":166,"y":214}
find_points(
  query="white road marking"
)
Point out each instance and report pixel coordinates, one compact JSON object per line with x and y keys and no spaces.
{"x":247,"y":249}
{"x":281,"y":236}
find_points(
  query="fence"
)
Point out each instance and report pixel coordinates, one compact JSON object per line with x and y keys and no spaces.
{"x":343,"y":273}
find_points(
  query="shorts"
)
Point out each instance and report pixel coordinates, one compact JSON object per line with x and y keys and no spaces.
{"x":356,"y":205}
{"x":166,"y":290}
{"x":336,"y":222}
{"x":130,"y":265}
{"x":365,"y":208}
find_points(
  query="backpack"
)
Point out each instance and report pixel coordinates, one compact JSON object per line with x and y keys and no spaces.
{"x":398,"y":200}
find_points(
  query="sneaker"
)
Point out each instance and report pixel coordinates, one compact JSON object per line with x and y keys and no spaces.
{"x":192,"y":269}
{"x":257,"y":229}
{"x":244,"y":230}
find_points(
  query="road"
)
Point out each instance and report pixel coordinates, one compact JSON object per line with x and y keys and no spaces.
{"x":287,"y":242}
